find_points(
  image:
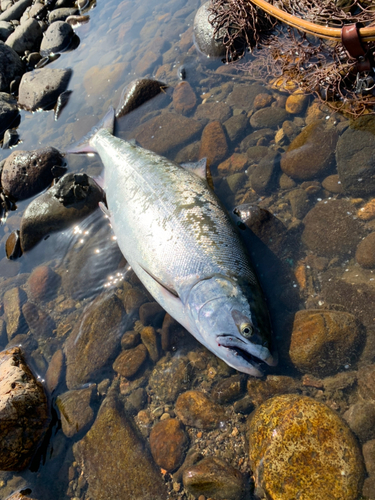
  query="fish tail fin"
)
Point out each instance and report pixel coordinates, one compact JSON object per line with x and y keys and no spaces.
{"x":84,"y":146}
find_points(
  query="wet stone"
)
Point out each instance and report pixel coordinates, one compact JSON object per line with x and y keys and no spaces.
{"x":150,"y":341}
{"x":130,"y":361}
{"x":8,"y":111}
{"x":366,"y":382}
{"x":229,"y":389}
{"x":115,"y":461}
{"x":169,"y":378}
{"x":235,"y":127}
{"x":257,"y":153}
{"x":261,"y":390}
{"x":11,"y":66}
{"x":76,"y":413}
{"x":184,"y":99}
{"x":268,"y":118}
{"x":323,"y":342}
{"x":263,"y":176}
{"x":312,"y":450}
{"x":57,"y":38}
{"x":167,"y":131}
{"x":331,"y":228}
{"x":39,"y":89}
{"x":194,"y":408}
{"x":133,"y":300}
{"x":24,"y":415}
{"x":311,"y":153}
{"x":42,"y":284}
{"x":15,"y":321}
{"x":262,"y":101}
{"x":244,"y":406}
{"x":27,"y":36}
{"x":361,"y":419}
{"x":213,"y":111}
{"x":206,"y":42}
{"x":368,"y":451}
{"x":136,"y":400}
{"x":168,"y":443}
{"x":243,"y":96}
{"x":263,"y":135}
{"x":39,"y":322}
{"x":234,"y":164}
{"x":365,"y":254}
{"x":55,"y":369}
{"x":94,"y":340}
{"x":333,"y":184}
{"x":214,"y":478}
{"x":61,"y":14}
{"x":213,"y":144}
{"x":27,"y":173}
{"x":151,"y":313}
{"x":299,"y":202}
{"x":296,"y":103}
{"x":130,"y":339}
{"x":367,"y":212}
{"x":15,"y":11}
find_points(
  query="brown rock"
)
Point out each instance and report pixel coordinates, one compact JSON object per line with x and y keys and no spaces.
{"x":130,"y":339}
{"x":147,"y":62}
{"x":262,"y":101}
{"x":311,"y":153}
{"x":150,"y":341}
{"x":233,"y":165}
{"x":367,"y":212}
{"x":365,"y":254}
{"x":268,"y":118}
{"x":195,"y":409}
{"x":75,"y":410}
{"x":133,"y":300}
{"x":168,"y":443}
{"x":167,"y":131}
{"x":213,"y":111}
{"x":184,"y":98}
{"x":55,"y":370}
{"x":214,"y":144}
{"x":229,"y":389}
{"x":366,"y":382}
{"x":323,"y":342}
{"x":333,"y":184}
{"x":361,"y":419}
{"x":215,"y":478}
{"x":40,"y":323}
{"x":42,"y":284}
{"x":129,"y":362}
{"x":296,"y":103}
{"x":170,"y":377}
{"x":261,"y":390}
{"x":368,"y":451}
{"x":331,"y":228}
{"x":104,"y":77}
{"x":299,"y":447}
{"x":244,"y":95}
{"x":94,"y":340}
{"x":114,"y":460}
{"x":12,"y":302}
{"x":24,"y":416}
{"x":151,"y":313}
{"x":27,"y":173}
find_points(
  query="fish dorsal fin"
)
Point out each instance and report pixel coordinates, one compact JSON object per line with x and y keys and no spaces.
{"x":166,"y":287}
{"x":201,"y":169}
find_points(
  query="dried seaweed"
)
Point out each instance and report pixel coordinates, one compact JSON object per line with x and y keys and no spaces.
{"x":316,"y":66}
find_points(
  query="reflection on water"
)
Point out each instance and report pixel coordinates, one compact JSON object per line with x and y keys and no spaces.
{"x":314,"y":253}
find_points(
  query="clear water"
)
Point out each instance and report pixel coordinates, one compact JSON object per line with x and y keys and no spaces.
{"x":113,"y":43}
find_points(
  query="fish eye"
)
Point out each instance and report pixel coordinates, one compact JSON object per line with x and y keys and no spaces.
{"x":246,"y":330}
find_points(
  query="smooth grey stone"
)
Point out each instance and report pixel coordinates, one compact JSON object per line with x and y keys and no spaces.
{"x":16,"y":11}
{"x":27,"y":36}
{"x":11,"y":66}
{"x":61,"y":14}
{"x":57,"y":38}
{"x":6,"y":29}
{"x":32,"y":12}
{"x":262,"y":178}
{"x":8,"y":111}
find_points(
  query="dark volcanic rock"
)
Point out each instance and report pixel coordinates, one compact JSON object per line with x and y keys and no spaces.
{"x":8,"y":112}
{"x":115,"y":461}
{"x":11,"y":66}
{"x":27,"y":36}
{"x":332,"y":228}
{"x":15,"y":11}
{"x":168,"y":443}
{"x":6,"y":29}
{"x":27,"y":173}
{"x":24,"y":415}
{"x":39,"y":89}
{"x":94,"y":340}
{"x":57,"y":38}
{"x":71,"y":199}
{"x":206,"y":42}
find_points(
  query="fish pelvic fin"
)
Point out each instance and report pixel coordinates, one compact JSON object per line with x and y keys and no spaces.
{"x":84,"y":146}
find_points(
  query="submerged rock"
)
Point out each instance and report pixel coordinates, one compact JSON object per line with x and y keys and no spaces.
{"x":39,"y":89}
{"x":169,"y":378}
{"x":214,"y":145}
{"x":15,"y":321}
{"x":75,"y":411}
{"x":323,"y":342}
{"x":114,"y":460}
{"x":300,"y":448}
{"x":27,"y":173}
{"x":168,"y":443}
{"x":24,"y":414}
{"x":71,"y":199}
{"x":184,"y":98}
{"x":214,"y":478}
{"x":194,"y":408}
{"x":42,"y":284}
{"x":365,"y":254}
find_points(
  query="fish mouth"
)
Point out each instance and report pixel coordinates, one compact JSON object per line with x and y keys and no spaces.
{"x":253,"y":354}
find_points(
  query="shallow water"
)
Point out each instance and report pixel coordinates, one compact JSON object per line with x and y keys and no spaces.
{"x":296,"y":271}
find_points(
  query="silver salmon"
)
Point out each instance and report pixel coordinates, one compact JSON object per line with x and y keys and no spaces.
{"x":183,"y":246}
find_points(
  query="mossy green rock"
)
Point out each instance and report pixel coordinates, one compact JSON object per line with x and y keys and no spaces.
{"x":300,"y":448}
{"x":114,"y":460}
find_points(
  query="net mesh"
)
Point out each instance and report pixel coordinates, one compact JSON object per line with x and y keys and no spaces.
{"x":294,"y":59}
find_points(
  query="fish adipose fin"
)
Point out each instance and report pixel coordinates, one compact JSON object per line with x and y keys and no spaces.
{"x":83,"y":146}
{"x":201,"y":169}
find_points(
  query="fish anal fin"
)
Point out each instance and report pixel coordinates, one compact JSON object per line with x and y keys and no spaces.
{"x":166,"y":287}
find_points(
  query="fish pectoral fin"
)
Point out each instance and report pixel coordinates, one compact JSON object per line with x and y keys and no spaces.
{"x":103,"y":207}
{"x":201,"y":169}
{"x":166,"y":287}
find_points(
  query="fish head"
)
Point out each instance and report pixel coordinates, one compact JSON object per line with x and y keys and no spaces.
{"x":239,"y":334}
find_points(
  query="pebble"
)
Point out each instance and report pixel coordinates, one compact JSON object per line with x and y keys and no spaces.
{"x":331,"y":228}
{"x":229,"y":389}
{"x":299,"y":202}
{"x":261,"y":390}
{"x":268,"y":118}
{"x":366,"y":382}
{"x":296,"y":103}
{"x":262,"y":101}
{"x":6,"y":29}
{"x":151,"y":342}
{"x":214,"y":145}
{"x":204,"y":39}
{"x":11,"y":66}
{"x":234,"y":164}
{"x":151,"y":313}
{"x":24,"y":411}
{"x":365,"y":253}
{"x":213,"y":111}
{"x":130,"y":339}
{"x":54,"y":372}
{"x":214,"y":478}
{"x":368,"y":451}
{"x":61,"y":14}
{"x":169,"y":378}
{"x":299,"y":446}
{"x":27,"y":36}
{"x":14,"y":319}
{"x":243,"y":95}
{"x":76,"y":413}
{"x":8,"y":112}
{"x":184,"y":98}
{"x":168,"y":443}
{"x":128,"y":363}
{"x":40,"y":324}
{"x":42,"y":284}
{"x":311,"y":153}
{"x":133,"y":300}
{"x":194,"y":408}
{"x":27,"y":173}
{"x":262,"y":179}
{"x":367,"y":212}
{"x":323,"y":342}
{"x":333,"y":184}
{"x":262,"y":135}
{"x":57,"y":38}
{"x":361,"y":419}
{"x":39,"y":89}
{"x":15,"y":11}
{"x":235,"y":126}
{"x":94,"y":340}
